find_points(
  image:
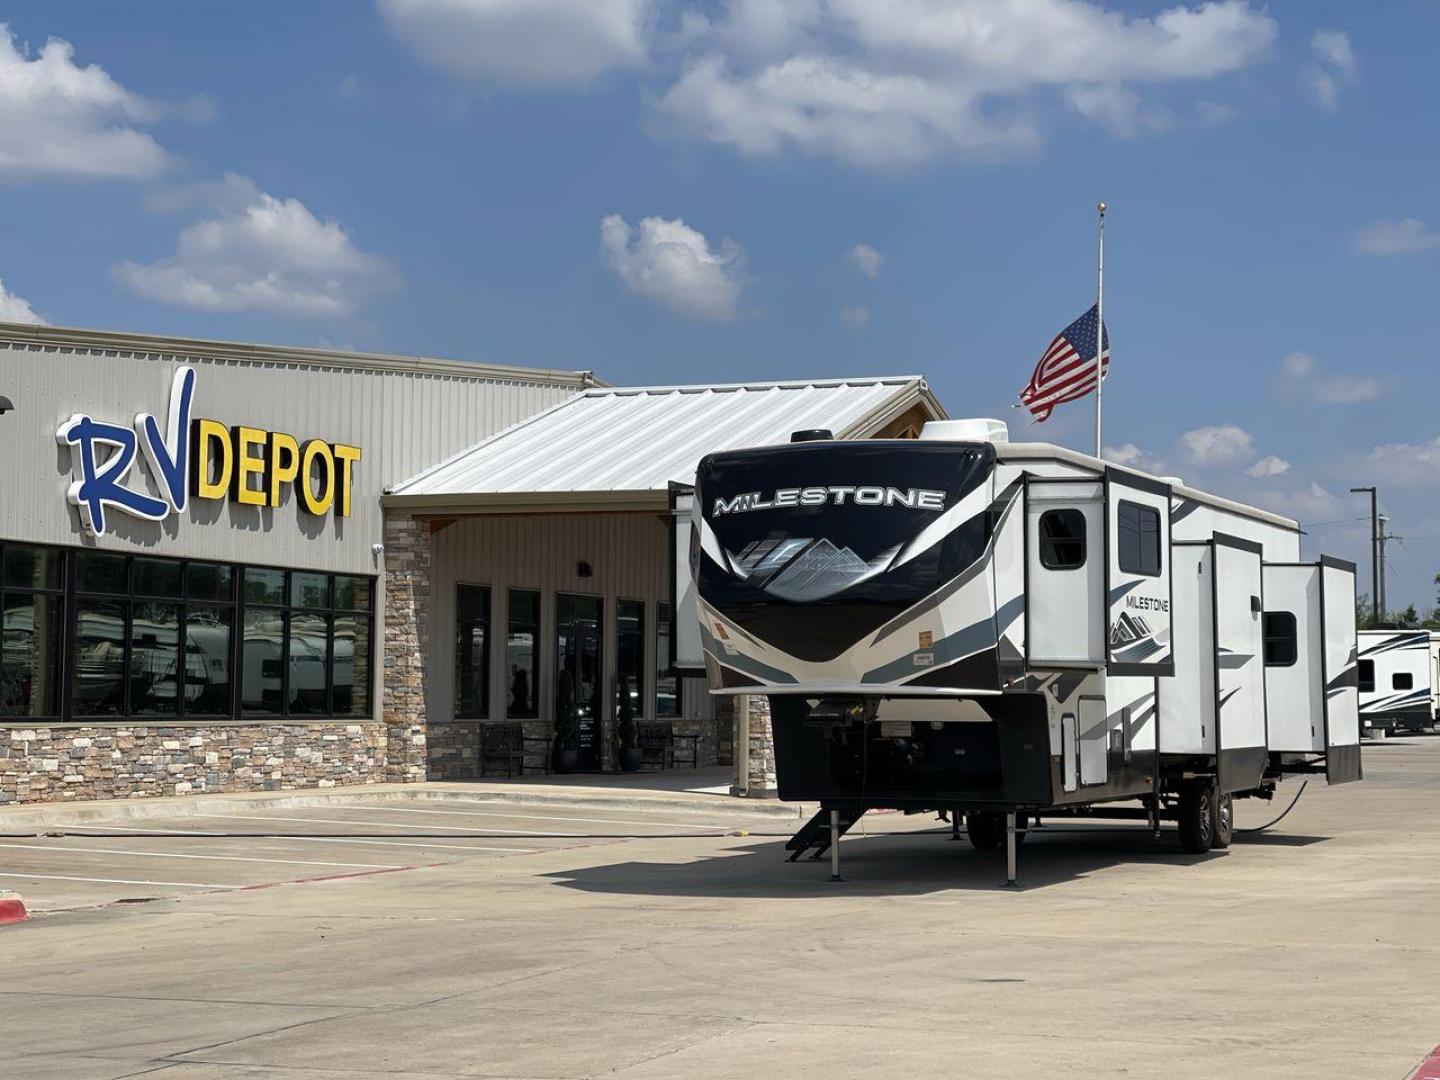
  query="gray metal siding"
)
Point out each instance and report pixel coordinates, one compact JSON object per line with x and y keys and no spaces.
{"x":628,"y":554}
{"x":403,"y":418}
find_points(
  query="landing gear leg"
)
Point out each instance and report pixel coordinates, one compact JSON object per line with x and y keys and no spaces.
{"x":954,"y":824}
{"x":834,"y":845}
{"x":1010,"y":882}
{"x":1154,"y":819}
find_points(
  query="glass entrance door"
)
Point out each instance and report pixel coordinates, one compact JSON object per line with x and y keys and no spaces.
{"x":579,"y":647}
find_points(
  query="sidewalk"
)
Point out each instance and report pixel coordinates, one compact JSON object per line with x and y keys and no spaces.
{"x":702,"y":791}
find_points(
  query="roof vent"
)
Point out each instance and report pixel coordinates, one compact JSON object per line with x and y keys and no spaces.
{"x":818,"y":434}
{"x":977,"y":430}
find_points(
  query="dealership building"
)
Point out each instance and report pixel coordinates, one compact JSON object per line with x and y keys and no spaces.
{"x":230,"y":567}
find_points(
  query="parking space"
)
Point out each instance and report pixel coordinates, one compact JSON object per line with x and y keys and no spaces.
{"x":94,"y":864}
{"x":435,"y":937}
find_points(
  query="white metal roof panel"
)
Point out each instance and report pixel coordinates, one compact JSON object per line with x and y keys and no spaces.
{"x":641,"y":439}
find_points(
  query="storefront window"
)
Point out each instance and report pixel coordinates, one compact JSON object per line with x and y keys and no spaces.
{"x":350,"y":653}
{"x":472,"y":652}
{"x":262,"y":660}
{"x":207,"y":657}
{"x":154,"y":668}
{"x":667,"y":686}
{"x":630,"y":652}
{"x":32,"y":614}
{"x":156,"y":638}
{"x":521,"y":635}
{"x":97,"y":666}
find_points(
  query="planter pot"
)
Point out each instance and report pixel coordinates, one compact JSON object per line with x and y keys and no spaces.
{"x":631,"y":760}
{"x":566,"y":761}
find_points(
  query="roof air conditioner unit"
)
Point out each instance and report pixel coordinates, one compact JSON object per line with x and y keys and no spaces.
{"x":977,"y":430}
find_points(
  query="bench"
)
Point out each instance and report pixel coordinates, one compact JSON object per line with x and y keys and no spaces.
{"x":504,"y":747}
{"x":662,"y":748}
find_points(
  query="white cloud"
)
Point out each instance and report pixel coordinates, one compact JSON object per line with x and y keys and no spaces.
{"x":670,"y":262}
{"x":887,"y":83}
{"x":524,"y":42}
{"x":1224,"y":444}
{"x":61,"y":119}
{"x":1308,"y":504}
{"x":1116,"y":108}
{"x":1335,"y":66}
{"x":857,"y":317}
{"x":867,"y":259}
{"x":1268,"y":467}
{"x":1130,"y":455}
{"x":1301,"y":375}
{"x":1214,"y":113}
{"x":1406,"y":237}
{"x":17,"y":309}
{"x":259,"y":253}
{"x":1407,"y":464}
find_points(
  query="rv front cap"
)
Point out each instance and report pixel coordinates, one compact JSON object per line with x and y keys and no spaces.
{"x":907,"y":498}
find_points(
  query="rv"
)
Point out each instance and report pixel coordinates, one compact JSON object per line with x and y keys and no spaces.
{"x":1008,"y":630}
{"x":1397,"y":678}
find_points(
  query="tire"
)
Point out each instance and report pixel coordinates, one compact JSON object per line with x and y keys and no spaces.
{"x":1224,"y":822}
{"x":1197,"y":817}
{"x":986,"y":829}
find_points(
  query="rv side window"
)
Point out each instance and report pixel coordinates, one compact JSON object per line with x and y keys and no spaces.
{"x":1280,"y":645}
{"x":1139,"y":539}
{"x":1062,"y":539}
{"x":1367,"y":676}
{"x":1402,"y":680}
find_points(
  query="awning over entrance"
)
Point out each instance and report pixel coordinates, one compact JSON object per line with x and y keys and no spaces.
{"x":620,"y":448}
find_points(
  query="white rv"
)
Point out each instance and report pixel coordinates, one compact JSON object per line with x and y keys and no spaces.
{"x":1397,"y":678}
{"x":1004,"y":630}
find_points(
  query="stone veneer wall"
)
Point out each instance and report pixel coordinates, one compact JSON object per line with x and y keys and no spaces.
{"x":406,"y":637}
{"x":71,"y":763}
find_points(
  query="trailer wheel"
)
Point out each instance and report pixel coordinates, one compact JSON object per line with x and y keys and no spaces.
{"x":1197,"y":816}
{"x":1224,"y":822}
{"x":986,"y":829}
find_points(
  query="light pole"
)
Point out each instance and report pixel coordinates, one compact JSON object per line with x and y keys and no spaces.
{"x":1375,"y":586}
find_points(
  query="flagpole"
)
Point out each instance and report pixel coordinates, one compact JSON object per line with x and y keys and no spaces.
{"x":1100,"y":332}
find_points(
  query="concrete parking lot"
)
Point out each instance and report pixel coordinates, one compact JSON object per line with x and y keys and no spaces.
{"x":461,"y":938}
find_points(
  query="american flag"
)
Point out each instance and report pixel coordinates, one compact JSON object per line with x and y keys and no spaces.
{"x":1067,"y":370}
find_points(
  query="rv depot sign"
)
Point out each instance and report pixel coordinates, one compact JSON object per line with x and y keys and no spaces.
{"x":202,"y":459}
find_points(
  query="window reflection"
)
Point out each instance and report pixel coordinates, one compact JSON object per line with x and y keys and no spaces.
{"x":520,"y":656}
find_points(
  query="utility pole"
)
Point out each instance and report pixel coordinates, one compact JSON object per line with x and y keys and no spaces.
{"x":1381,"y":538}
{"x":1376,"y":586}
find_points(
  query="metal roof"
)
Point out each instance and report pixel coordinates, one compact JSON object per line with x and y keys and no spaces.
{"x":621,"y":447}
{"x":26,"y":335}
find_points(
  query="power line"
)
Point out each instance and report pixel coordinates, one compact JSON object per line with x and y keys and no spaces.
{"x":1339,"y":521}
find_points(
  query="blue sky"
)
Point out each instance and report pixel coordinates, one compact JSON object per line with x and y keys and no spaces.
{"x":674,"y":190}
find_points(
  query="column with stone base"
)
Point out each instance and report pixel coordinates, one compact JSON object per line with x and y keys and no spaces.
{"x":754,"y":746}
{"x":406,"y":639}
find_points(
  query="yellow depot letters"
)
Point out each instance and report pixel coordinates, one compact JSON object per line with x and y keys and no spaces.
{"x":255,"y":467}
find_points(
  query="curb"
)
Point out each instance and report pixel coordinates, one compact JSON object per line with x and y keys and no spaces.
{"x":40,"y":816}
{"x":12,"y":908}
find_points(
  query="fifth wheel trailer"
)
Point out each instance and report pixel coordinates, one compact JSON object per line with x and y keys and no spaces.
{"x":1003,"y":630}
{"x":1397,"y":679}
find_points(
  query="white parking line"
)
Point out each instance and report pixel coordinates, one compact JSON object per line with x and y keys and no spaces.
{"x":120,"y":881}
{"x":540,"y":817}
{"x":42,"y":849}
{"x":371,"y":824}
{"x":308,"y":839}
